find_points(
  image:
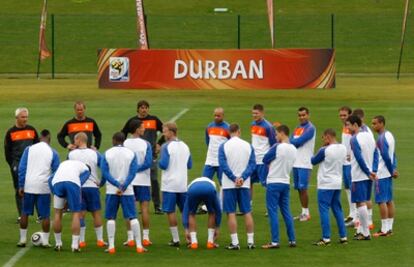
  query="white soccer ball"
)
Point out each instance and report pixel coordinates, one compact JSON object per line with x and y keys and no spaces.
{"x":36,"y":239}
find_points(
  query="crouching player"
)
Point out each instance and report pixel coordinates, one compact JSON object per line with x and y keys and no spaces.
{"x":66,"y":187}
{"x":37,"y":164}
{"x":119,"y":166}
{"x":279,"y":159}
{"x":331,"y":158}
{"x":91,"y":200}
{"x":202,"y":190}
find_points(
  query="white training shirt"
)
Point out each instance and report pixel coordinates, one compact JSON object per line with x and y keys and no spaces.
{"x":140,"y":147}
{"x":119,"y":160}
{"x":70,"y":171}
{"x":363,"y":147}
{"x":38,"y":162}
{"x":385,"y":144}
{"x":92,"y":158}
{"x":280,"y":159}
{"x":331,"y":159}
{"x":303,"y":139}
{"x":346,"y":141}
{"x":237,"y":153}
{"x":175,"y":160}
{"x":216,"y":134}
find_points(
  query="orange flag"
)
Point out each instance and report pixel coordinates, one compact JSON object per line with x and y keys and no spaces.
{"x":43,"y":51}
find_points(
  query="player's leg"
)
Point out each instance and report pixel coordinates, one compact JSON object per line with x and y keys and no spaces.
{"x":82,"y":232}
{"x":339,"y":215}
{"x":362,"y":195}
{"x":324,"y":203}
{"x":347,"y":185}
{"x":155,"y":187}
{"x":18,"y":199}
{"x":111,"y":209}
{"x":243,"y":199}
{"x":143,"y":196}
{"x":229,"y":207}
{"x":168,"y":206}
{"x":27,"y":209}
{"x":75,"y":205}
{"x":58,"y":204}
{"x":43,"y":208}
{"x":380,"y":199}
{"x":129,"y":212}
{"x":284,"y":204}
{"x":272,"y":200}
{"x":303,"y":182}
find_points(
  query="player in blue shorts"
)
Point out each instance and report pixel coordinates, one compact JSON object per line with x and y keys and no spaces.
{"x":202,"y":190}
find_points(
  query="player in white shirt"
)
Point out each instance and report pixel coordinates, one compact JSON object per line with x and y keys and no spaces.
{"x":344,"y":113}
{"x":364,"y":162}
{"x":279,"y":161}
{"x":175,"y":160}
{"x":37,"y":164}
{"x":142,"y":180}
{"x":387,"y":169}
{"x":364,"y":128}
{"x":66,"y":187}
{"x":331,"y":158}
{"x":303,"y":138}
{"x":119,"y":167}
{"x":237,"y":160}
{"x":202,"y":190}
{"x":91,"y":200}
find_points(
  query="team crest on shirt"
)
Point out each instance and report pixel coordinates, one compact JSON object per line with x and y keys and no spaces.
{"x":119,"y":69}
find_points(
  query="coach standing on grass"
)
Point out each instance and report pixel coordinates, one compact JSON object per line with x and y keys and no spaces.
{"x":152,"y":125}
{"x":17,"y":138}
{"x":80,"y":123}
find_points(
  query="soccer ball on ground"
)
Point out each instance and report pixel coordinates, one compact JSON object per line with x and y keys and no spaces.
{"x":36,"y":239}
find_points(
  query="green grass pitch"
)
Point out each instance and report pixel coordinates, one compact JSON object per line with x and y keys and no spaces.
{"x":50,"y":104}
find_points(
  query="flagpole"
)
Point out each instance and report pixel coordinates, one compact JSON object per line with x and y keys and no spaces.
{"x":404,"y":27}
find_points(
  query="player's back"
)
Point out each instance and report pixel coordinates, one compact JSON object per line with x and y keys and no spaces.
{"x":91,"y":158}
{"x":69,"y":171}
{"x":330,"y":169}
{"x":385,"y":144}
{"x":281,"y":166}
{"x":367,"y":146}
{"x":140,"y":147}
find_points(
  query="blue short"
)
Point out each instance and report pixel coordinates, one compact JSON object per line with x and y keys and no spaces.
{"x":383,"y":190}
{"x":301,"y":178}
{"x":170,"y":200}
{"x":202,"y":192}
{"x":259,"y":174}
{"x":347,"y":179}
{"x":91,"y":200}
{"x":127,"y":203}
{"x":71,"y":192}
{"x":42,"y":202}
{"x":361,"y":191}
{"x":142,"y":193}
{"x":232,"y":197}
{"x":209,"y":172}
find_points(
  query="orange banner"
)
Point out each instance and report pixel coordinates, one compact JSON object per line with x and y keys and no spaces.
{"x":216,"y":69}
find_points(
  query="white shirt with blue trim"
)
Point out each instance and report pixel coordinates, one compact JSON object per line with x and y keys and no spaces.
{"x":93,"y":159}
{"x":280,"y":159}
{"x":143,"y":153}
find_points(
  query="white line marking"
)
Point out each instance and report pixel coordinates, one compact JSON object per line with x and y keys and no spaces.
{"x":16,"y":257}
{"x":178,"y":115}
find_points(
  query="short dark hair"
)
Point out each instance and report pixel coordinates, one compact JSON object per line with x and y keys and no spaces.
{"x":330,"y":132}
{"x":354,"y":119}
{"x":118,"y":138}
{"x":258,"y":107}
{"x":304,"y":109}
{"x":143,"y":103}
{"x":346,"y":108}
{"x":283,"y":129}
{"x":359,"y":112}
{"x":134,"y":125}
{"x":234,"y":127}
{"x":380,"y":119}
{"x":45,"y":133}
{"x":79,"y":103}
{"x":171,"y":126}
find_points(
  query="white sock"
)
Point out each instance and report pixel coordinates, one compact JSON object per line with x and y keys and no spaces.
{"x":234,"y":239}
{"x":326,"y":239}
{"x":363,"y":217}
{"x":305,"y":211}
{"x":352,"y":206}
{"x":384,"y":225}
{"x":45,"y":238}
{"x":99,"y":232}
{"x":353,"y":210}
{"x":82,"y":234}
{"x":23,"y":235}
{"x":250,"y":238}
{"x":110,"y":229}
{"x":58,"y":239}
{"x":390,"y":223}
{"x":145,"y":234}
{"x":174,"y":233}
{"x":136,"y":229}
{"x":130,"y":235}
{"x":369,"y":216}
{"x":193,"y":236}
{"x":75,"y":241}
{"x":210,"y":232}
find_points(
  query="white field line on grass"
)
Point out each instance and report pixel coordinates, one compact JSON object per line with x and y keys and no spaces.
{"x":13,"y":260}
{"x":16,"y":257}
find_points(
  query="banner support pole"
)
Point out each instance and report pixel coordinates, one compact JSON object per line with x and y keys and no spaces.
{"x":238,"y":31}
